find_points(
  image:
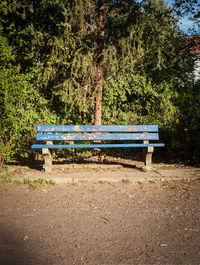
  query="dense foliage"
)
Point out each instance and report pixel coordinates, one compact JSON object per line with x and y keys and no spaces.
{"x":48,"y":64}
{"x":21,"y":107}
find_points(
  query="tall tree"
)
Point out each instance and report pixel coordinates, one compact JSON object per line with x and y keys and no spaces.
{"x":80,"y":50}
{"x":99,"y":43}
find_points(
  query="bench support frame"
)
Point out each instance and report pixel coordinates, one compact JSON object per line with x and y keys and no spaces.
{"x":148,"y":152}
{"x":47,"y":159}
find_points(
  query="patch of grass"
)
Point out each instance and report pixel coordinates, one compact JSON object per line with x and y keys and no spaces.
{"x":139,"y":182}
{"x":105,"y":182}
{"x":39,"y":181}
{"x":196,"y":176}
{"x":6,"y":169}
{"x":52,"y":182}
{"x":2,"y":170}
{"x":152,"y":181}
{"x":126,"y":181}
{"x":5,"y":179}
{"x":83,"y":181}
{"x":16,"y":182}
{"x":30,"y":182}
{"x":74,"y":184}
{"x":172,"y":185}
{"x":175,"y":187}
{"x":144,"y":169}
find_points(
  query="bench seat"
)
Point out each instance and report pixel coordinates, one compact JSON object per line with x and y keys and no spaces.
{"x":57,"y":146}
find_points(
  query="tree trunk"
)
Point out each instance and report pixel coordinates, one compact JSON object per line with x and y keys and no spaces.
{"x":99,"y":60}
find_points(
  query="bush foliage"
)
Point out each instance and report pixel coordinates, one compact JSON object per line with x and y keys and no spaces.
{"x":48,"y":68}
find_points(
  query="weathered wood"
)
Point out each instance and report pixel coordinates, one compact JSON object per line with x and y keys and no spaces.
{"x":97,"y":136}
{"x":93,"y":133}
{"x":97,"y":128}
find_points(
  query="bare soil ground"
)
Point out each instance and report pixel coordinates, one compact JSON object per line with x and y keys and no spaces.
{"x":101,"y":214}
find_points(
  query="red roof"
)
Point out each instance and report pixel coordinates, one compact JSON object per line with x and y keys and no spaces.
{"x":196,"y":40}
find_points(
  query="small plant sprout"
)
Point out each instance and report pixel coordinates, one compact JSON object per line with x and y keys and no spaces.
{"x":139,"y":182}
{"x":126,"y":181}
{"x":152,"y":181}
{"x":105,"y":182}
{"x":175,"y":187}
{"x":83,"y":181}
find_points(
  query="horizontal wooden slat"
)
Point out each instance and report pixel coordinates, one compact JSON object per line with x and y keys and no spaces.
{"x":98,"y":136}
{"x":55,"y":146}
{"x":97,"y":128}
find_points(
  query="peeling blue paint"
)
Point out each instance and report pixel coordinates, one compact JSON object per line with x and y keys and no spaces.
{"x":96,"y":133}
{"x":97,"y":136}
{"x":55,"y":146}
{"x":97,"y":128}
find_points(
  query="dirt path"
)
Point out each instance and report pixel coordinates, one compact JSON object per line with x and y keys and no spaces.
{"x":114,"y":170}
{"x":84,"y":222}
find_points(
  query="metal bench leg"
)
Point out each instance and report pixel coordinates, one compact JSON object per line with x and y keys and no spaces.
{"x":47,"y":160}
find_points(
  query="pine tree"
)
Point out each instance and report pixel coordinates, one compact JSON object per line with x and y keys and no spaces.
{"x":80,"y":50}
{"x":99,"y":60}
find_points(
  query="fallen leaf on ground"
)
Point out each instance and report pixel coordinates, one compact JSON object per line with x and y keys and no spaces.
{"x":163,"y":245}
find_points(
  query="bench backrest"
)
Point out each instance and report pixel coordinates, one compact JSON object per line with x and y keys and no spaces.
{"x":96,"y":132}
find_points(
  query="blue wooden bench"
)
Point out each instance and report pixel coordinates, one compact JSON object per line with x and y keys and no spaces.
{"x":140,"y":134}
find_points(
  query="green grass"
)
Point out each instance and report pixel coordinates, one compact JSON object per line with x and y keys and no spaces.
{"x":39,"y":181}
{"x":2,"y":170}
{"x":83,"y":181}
{"x":152,"y":181}
{"x":30,"y":182}
{"x":5,"y":179}
{"x":139,"y":182}
{"x":195,"y":176}
{"x":126,"y":181}
{"x":175,"y":187}
{"x":6,"y":169}
{"x":105,"y":182}
{"x":155,"y":177}
{"x":144,"y":169}
{"x":171,"y":185}
{"x":74,"y":184}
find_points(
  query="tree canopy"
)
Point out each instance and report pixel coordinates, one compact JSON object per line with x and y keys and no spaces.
{"x":61,"y":61}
